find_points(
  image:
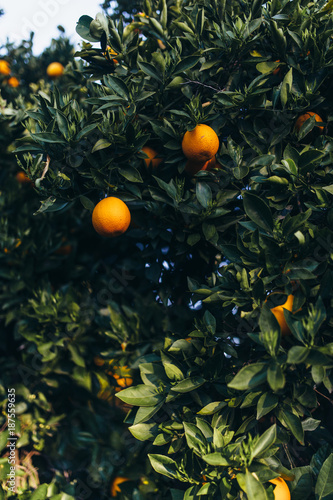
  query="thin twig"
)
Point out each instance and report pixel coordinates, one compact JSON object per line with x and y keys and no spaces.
{"x":285,"y":447}
{"x":323,"y":395}
{"x":204,"y":85}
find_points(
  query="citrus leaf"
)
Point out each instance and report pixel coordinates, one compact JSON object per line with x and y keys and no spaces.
{"x":249,"y":376}
{"x":324,"y":486}
{"x":140,"y":395}
{"x":258,"y":211}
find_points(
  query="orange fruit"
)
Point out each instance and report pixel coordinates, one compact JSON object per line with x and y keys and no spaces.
{"x":212,"y":163}
{"x":301,"y":119}
{"x":277,"y":70}
{"x":22,"y":178}
{"x":64,"y":250}
{"x":4,"y":67}
{"x":115,"y":485}
{"x":152,"y":154}
{"x":281,"y":490}
{"x":193,"y":167}
{"x":111,"y":52}
{"x":55,"y":69}
{"x":13,"y":82}
{"x":111,"y":217}
{"x":200,"y":144}
{"x":279,"y":314}
{"x":98,"y":361}
{"x":124,"y":381}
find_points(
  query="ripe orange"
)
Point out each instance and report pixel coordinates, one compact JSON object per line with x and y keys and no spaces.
{"x":111,"y":52}
{"x":193,"y":167}
{"x":13,"y":82}
{"x":152,"y":154}
{"x":22,"y":178}
{"x":111,"y":217}
{"x":123,"y":381}
{"x":200,"y":144}
{"x":55,"y":69}
{"x":281,"y":490}
{"x":301,"y":119}
{"x":279,"y":314}
{"x":64,"y":250}
{"x":115,"y":485}
{"x":4,"y":67}
{"x":98,"y":361}
{"x":212,"y":163}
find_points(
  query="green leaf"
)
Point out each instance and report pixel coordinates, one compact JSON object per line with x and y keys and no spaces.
{"x":212,"y":408}
{"x":258,"y":211}
{"x":309,"y":157}
{"x":298,"y":354}
{"x":83,"y":29}
{"x":286,"y":87}
{"x":144,"y":413}
{"x":130,"y":173}
{"x":293,"y":423}
{"x":269,"y":330}
{"x":301,"y":487}
{"x":194,"y":437}
{"x":324,"y":485}
{"x":164,"y":465}
{"x":40,"y":493}
{"x":51,"y":205}
{"x":75,"y":355}
{"x":216,"y":459}
{"x":118,"y":86}
{"x":209,"y":231}
{"x":249,"y":377}
{"x":275,"y":377}
{"x":48,"y":137}
{"x":204,"y":194}
{"x":173,"y":372}
{"x":101,"y":144}
{"x":267,"y":402}
{"x":189,"y":384}
{"x":254,"y":489}
{"x":186,"y":63}
{"x":144,"y":432}
{"x":62,"y":123}
{"x":267,"y":67}
{"x":87,"y":203}
{"x":265,"y":441}
{"x":310,"y":424}
{"x":85,"y":131}
{"x":156,"y":26}
{"x":329,"y":188}
{"x":3,"y":439}
{"x":140,"y":395}
{"x":152,"y":374}
{"x":150,"y":70}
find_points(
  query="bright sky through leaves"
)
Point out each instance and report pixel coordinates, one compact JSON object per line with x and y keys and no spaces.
{"x":43,"y":16}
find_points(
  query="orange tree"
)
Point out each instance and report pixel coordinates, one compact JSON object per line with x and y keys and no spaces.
{"x":223,"y":322}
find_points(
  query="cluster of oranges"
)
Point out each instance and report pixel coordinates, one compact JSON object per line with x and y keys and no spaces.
{"x":54,"y":70}
{"x":111,"y":216}
{"x":5,"y":70}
